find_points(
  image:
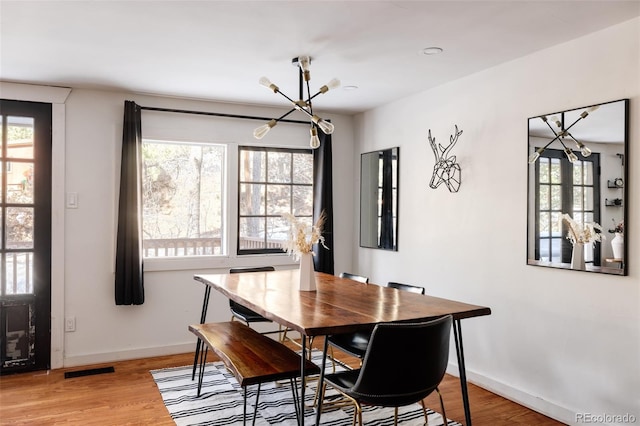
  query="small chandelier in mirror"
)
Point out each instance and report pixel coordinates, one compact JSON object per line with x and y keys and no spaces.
{"x":560,"y":136}
{"x":303,"y":103}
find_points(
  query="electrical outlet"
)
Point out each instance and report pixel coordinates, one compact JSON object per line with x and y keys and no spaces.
{"x":70,"y":324}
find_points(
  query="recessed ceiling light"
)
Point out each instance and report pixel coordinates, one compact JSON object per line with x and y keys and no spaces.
{"x":432,"y":50}
{"x":349,"y":87}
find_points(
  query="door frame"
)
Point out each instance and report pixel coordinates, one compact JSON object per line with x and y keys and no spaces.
{"x":56,"y":96}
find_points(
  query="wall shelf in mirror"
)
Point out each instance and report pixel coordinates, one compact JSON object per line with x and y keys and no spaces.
{"x":576,"y":167}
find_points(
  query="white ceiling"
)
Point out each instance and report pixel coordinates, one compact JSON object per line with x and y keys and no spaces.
{"x":217,"y":50}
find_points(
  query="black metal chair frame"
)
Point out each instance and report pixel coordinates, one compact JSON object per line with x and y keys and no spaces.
{"x":360,"y":389}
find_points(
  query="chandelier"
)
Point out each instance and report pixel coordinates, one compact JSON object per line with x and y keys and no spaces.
{"x":560,"y":136}
{"x":302,"y":104}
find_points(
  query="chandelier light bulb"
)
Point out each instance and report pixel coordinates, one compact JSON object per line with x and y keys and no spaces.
{"x":570,"y":155}
{"x":557,"y":121}
{"x":585,"y":151}
{"x":259,"y":132}
{"x":264,"y":81}
{"x":303,"y":62}
{"x":325,"y":126}
{"x":535,"y":155}
{"x":333,"y":84}
{"x":315,"y":141}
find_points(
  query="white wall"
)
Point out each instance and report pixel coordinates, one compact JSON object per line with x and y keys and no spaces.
{"x":104,"y":331}
{"x":564,"y":342}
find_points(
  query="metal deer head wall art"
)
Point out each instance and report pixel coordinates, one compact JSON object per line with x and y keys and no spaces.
{"x":446,"y":170}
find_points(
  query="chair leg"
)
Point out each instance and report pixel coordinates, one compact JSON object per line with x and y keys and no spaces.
{"x":424,"y":411}
{"x":444,"y":413}
{"x":294,"y":392}
{"x":395,"y":416}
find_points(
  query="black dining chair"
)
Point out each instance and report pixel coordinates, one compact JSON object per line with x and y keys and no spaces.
{"x":354,"y":277}
{"x":240,"y":311}
{"x":406,"y":287}
{"x":356,"y":343}
{"x":403,"y":364}
{"x":237,"y":310}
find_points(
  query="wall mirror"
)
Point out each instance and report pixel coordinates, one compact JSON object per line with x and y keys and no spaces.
{"x":379,"y":199}
{"x":577,"y":176}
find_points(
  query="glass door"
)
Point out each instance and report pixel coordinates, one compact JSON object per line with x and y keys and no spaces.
{"x":25,"y":230}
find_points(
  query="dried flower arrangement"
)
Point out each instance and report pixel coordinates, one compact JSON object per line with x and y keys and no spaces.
{"x":582,"y":234}
{"x":618,"y":228}
{"x":302,"y":237}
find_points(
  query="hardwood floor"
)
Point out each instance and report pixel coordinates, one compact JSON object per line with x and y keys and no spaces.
{"x":129,"y":396}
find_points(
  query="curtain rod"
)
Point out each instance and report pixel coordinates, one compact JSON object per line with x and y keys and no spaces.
{"x":219,"y":114}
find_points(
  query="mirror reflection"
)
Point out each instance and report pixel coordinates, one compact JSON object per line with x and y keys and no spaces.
{"x":577,"y":188}
{"x":379,"y":199}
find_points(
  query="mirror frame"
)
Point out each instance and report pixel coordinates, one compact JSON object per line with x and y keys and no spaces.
{"x":606,"y":191}
{"x":371,"y":183}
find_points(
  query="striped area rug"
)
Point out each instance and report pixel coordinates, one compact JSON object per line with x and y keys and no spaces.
{"x":221,"y":402}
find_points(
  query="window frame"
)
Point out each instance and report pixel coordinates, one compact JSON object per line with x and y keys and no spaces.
{"x":266,"y":183}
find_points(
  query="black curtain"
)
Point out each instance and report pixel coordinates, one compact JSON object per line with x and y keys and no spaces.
{"x":129,"y":276}
{"x":323,"y":201}
{"x":386,"y":221}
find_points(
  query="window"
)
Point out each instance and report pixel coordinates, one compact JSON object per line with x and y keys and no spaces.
{"x":271,"y":182}
{"x":565,"y":187}
{"x":183,"y":199}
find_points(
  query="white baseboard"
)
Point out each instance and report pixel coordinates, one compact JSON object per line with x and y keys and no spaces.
{"x":101,"y":358}
{"x":538,"y":404}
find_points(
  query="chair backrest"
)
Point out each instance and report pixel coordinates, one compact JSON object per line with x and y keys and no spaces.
{"x":251,"y":269}
{"x":404,"y":362}
{"x":354,"y":277}
{"x":406,"y":287}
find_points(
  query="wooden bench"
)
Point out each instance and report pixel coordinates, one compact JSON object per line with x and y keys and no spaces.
{"x":253,"y":358}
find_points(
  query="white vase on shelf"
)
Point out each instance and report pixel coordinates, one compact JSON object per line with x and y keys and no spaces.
{"x":307,"y":274}
{"x":577,"y":256}
{"x":617,"y":245}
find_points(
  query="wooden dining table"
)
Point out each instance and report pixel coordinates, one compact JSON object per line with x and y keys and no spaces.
{"x":338,"y":305}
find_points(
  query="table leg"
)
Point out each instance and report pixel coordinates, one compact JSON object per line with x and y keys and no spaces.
{"x":457,"y":334}
{"x":303,"y":360}
{"x":203,"y":318}
{"x":321,"y":380}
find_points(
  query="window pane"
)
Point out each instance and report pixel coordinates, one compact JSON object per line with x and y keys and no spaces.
{"x":253,"y":166}
{"x":19,"y":225}
{"x":577,"y":173}
{"x":588,"y":172}
{"x":588,"y":198}
{"x":18,"y":273}
{"x":182,"y":198}
{"x":303,"y":200}
{"x":544,"y":197}
{"x":556,"y":197}
{"x":544,"y":224}
{"x":19,"y":182}
{"x":20,"y":137}
{"x":252,"y":231}
{"x":279,"y":166}
{"x":556,"y":171}
{"x":279,"y":199}
{"x":302,"y":168}
{"x":544,"y":170}
{"x":277,"y":231}
{"x":578,"y":198}
{"x":252,"y":199}
{"x":556,"y":224}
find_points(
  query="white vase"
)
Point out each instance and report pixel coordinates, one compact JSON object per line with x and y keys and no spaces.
{"x":617,"y":244}
{"x":307,"y":274}
{"x":577,"y":256}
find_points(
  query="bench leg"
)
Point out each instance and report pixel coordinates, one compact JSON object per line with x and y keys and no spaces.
{"x":255,"y":409}
{"x":203,"y":362}
{"x":203,"y":318}
{"x":294,"y":392}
